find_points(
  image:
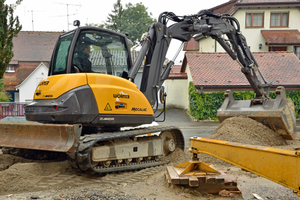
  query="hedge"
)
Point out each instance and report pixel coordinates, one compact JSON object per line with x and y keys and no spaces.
{"x":204,"y":106}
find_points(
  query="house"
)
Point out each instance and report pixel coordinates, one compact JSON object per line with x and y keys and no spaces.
{"x":268,"y":25}
{"x":212,"y":72}
{"x":27,"y":87}
{"x":271,"y":29}
{"x":32,"y":50}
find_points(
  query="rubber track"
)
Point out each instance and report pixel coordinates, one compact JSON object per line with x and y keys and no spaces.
{"x":82,"y":157}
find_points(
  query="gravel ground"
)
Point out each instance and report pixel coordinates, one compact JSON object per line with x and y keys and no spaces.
{"x":55,"y":180}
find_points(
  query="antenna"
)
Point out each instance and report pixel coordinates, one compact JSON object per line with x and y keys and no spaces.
{"x":68,"y":4}
{"x":32,"y":16}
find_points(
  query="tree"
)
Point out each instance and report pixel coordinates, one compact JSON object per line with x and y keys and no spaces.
{"x":9,"y":28}
{"x":112,"y":19}
{"x":134,"y":19}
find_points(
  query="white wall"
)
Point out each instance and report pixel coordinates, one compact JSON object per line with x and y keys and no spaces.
{"x":28,"y":86}
{"x":177,"y":93}
{"x":254,"y":36}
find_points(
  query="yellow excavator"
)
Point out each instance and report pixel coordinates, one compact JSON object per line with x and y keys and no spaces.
{"x":90,"y":94}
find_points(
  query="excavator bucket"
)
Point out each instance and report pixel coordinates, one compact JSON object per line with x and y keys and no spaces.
{"x":278,"y":113}
{"x":38,"y":136}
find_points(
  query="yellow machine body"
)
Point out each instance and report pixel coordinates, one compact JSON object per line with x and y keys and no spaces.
{"x":109,"y":92}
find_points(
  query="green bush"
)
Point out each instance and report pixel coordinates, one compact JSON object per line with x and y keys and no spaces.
{"x":4,"y":96}
{"x":204,"y":106}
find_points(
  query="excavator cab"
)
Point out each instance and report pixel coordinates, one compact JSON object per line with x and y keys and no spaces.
{"x":88,"y":83}
{"x":91,"y":50}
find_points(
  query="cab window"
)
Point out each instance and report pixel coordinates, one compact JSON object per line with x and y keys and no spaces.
{"x":61,"y":54}
{"x":100,"y":52}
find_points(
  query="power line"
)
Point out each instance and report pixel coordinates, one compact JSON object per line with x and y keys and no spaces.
{"x":68,"y":4}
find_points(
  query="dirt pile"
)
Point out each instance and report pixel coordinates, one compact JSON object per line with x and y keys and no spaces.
{"x":8,"y":160}
{"x":244,"y":130}
{"x":177,"y":157}
{"x":248,"y":131}
{"x":23,"y":175}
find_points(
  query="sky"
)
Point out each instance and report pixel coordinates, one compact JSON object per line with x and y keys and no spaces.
{"x":58,"y":15}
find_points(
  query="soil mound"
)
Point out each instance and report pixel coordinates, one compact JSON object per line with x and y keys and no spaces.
{"x":248,"y":131}
{"x":7,"y":160}
{"x":23,"y":176}
{"x":244,"y":130}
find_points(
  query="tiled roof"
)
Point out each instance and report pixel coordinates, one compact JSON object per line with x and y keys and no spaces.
{"x":232,"y":6}
{"x":218,"y":69}
{"x":227,"y":7}
{"x":176,"y":72}
{"x":268,"y":1}
{"x":34,"y":46}
{"x":14,"y":79}
{"x":282,"y":36}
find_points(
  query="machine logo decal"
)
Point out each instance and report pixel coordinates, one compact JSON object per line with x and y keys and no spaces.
{"x":107,"y":119}
{"x":48,"y":95}
{"x":107,"y":107}
{"x":45,"y":82}
{"x":139,"y":109}
{"x":121,"y":95}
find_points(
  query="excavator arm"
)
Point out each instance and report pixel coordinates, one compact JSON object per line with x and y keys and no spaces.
{"x":278,"y":114}
{"x":156,"y":42}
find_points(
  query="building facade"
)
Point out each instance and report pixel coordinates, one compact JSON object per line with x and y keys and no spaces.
{"x":31,"y":49}
{"x":268,"y":25}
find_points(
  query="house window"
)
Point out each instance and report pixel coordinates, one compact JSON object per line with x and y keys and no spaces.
{"x":297,"y":51}
{"x":10,"y":69}
{"x":277,"y":48}
{"x":279,"y":19}
{"x":254,"y":20}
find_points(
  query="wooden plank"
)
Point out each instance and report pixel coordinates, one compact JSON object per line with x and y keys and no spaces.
{"x":184,"y":180}
{"x":193,"y":181}
{"x":173,"y":175}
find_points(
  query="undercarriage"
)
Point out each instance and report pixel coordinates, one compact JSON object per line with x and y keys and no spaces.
{"x":97,"y":152}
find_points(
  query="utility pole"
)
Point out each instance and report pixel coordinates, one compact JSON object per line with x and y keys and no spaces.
{"x":68,"y":4}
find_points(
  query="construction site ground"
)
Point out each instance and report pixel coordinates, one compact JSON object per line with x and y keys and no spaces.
{"x":30,"y":179}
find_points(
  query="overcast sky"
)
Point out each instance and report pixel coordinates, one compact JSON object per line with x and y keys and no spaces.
{"x":51,"y":15}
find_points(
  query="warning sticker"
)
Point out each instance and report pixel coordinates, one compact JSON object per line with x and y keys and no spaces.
{"x":107,"y":107}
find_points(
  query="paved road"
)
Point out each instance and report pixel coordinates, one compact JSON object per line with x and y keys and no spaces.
{"x":189,"y":128}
